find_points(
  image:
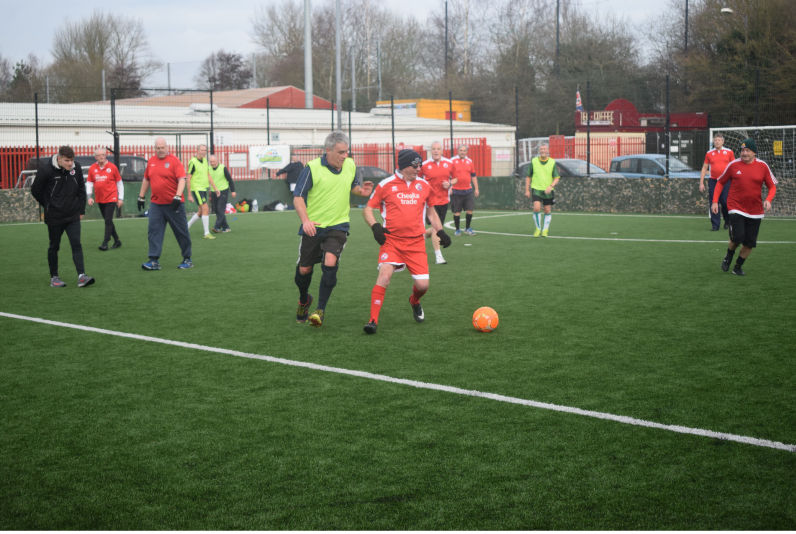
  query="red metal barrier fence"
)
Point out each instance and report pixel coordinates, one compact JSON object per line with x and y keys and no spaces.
{"x":13,"y":160}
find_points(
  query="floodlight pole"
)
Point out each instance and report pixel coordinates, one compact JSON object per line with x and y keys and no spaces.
{"x":308,"y":99}
{"x":337,"y":63}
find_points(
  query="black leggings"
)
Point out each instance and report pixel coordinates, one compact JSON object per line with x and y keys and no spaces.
{"x":72,"y":230}
{"x":107,"y":210}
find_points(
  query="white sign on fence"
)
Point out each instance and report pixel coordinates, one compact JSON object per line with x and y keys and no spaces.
{"x":269,"y":157}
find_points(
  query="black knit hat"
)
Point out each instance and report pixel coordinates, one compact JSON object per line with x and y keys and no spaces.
{"x":750,"y":144}
{"x":408,"y":158}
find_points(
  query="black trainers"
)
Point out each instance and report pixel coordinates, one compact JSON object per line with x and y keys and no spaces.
{"x":725,"y":265}
{"x":103,"y":246}
{"x":303,"y":310}
{"x":738,"y":271}
{"x":371,"y":327}
{"x":417,"y":311}
{"x":117,"y":244}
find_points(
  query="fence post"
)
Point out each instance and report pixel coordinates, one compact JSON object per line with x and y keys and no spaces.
{"x":212,"y":136}
{"x":392,"y":122}
{"x":588,"y":128}
{"x":36,"y":113}
{"x":450,"y":112}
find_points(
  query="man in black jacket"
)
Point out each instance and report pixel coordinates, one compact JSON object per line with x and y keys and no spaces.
{"x":60,"y":189}
{"x":292,"y":171}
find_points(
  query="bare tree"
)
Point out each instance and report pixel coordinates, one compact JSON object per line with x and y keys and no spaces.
{"x":113,"y":43}
{"x":223,"y":71}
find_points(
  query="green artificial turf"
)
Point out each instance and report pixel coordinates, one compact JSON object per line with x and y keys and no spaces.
{"x":627,"y":315}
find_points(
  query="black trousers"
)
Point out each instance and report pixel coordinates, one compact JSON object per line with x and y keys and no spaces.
{"x":72,"y":230}
{"x":107,"y":210}
{"x":220,"y":204}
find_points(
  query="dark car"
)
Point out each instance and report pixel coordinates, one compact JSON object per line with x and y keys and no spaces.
{"x":372,"y":174}
{"x":570,"y":167}
{"x":130,"y":167}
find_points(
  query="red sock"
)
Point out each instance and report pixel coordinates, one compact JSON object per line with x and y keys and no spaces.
{"x":416,"y":294}
{"x":376,"y":300}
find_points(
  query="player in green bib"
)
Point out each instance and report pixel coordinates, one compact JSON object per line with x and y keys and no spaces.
{"x":199,"y":181}
{"x":539,"y":185}
{"x":322,"y":202}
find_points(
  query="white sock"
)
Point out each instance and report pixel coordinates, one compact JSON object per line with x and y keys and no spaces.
{"x":193,"y":219}
{"x":537,"y":220}
{"x":438,"y":253}
{"x":206,"y":223}
{"x":547,"y":218}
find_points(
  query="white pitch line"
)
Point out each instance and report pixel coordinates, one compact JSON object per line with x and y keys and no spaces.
{"x":450,"y":226}
{"x":757,"y":442}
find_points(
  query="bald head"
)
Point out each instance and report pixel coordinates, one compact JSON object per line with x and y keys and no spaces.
{"x":161,"y":148}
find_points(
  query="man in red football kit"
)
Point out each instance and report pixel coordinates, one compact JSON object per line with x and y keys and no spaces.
{"x":717,"y":159}
{"x":465,"y":190}
{"x":437,"y":172}
{"x":166,"y":176}
{"x":747,"y":174}
{"x":105,"y":183}
{"x":402,"y":200}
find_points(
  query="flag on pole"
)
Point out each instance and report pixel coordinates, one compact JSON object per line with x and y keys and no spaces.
{"x":578,"y":103}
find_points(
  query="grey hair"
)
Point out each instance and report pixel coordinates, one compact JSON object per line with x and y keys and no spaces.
{"x":335,"y":137}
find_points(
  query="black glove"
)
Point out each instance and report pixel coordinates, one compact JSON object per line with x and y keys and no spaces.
{"x":175,"y":202}
{"x":444,"y":239}
{"x":378,"y":233}
{"x":141,"y":203}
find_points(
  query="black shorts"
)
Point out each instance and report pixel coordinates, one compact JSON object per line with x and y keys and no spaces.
{"x":540,"y":196}
{"x":313,"y":249}
{"x":744,"y":230}
{"x":442,"y":211}
{"x":200,"y":197}
{"x":465,"y":202}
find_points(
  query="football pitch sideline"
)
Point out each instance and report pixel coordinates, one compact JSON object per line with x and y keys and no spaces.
{"x":616,"y":316}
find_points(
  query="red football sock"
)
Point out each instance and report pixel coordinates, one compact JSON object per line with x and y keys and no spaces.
{"x":416,"y":294}
{"x":376,"y":300}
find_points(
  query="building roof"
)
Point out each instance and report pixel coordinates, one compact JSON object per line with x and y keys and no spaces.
{"x":286,"y":96}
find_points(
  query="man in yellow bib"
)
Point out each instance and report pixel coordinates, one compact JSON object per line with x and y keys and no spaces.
{"x":322,"y":202}
{"x":539,"y":185}
{"x":199,"y":181}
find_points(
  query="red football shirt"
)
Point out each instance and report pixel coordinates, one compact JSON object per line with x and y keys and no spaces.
{"x":463,"y":170}
{"x":718,"y":159}
{"x":746,"y":193}
{"x":402,"y":205}
{"x":436,"y":173}
{"x":105,"y":180}
{"x":163,"y":175}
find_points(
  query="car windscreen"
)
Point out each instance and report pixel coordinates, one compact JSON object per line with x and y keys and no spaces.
{"x":675,"y":165}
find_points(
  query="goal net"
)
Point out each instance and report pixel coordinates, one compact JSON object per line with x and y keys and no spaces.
{"x":775,"y":146}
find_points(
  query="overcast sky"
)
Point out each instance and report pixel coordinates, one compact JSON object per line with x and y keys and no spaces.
{"x":183,"y":33}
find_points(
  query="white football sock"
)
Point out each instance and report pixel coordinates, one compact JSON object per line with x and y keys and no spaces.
{"x":547,"y":218}
{"x":193,"y":219}
{"x":206,"y":223}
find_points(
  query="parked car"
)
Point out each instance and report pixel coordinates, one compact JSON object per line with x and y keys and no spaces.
{"x":130,"y":167}
{"x":373,"y":174}
{"x":651,"y":166}
{"x":570,"y":167}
